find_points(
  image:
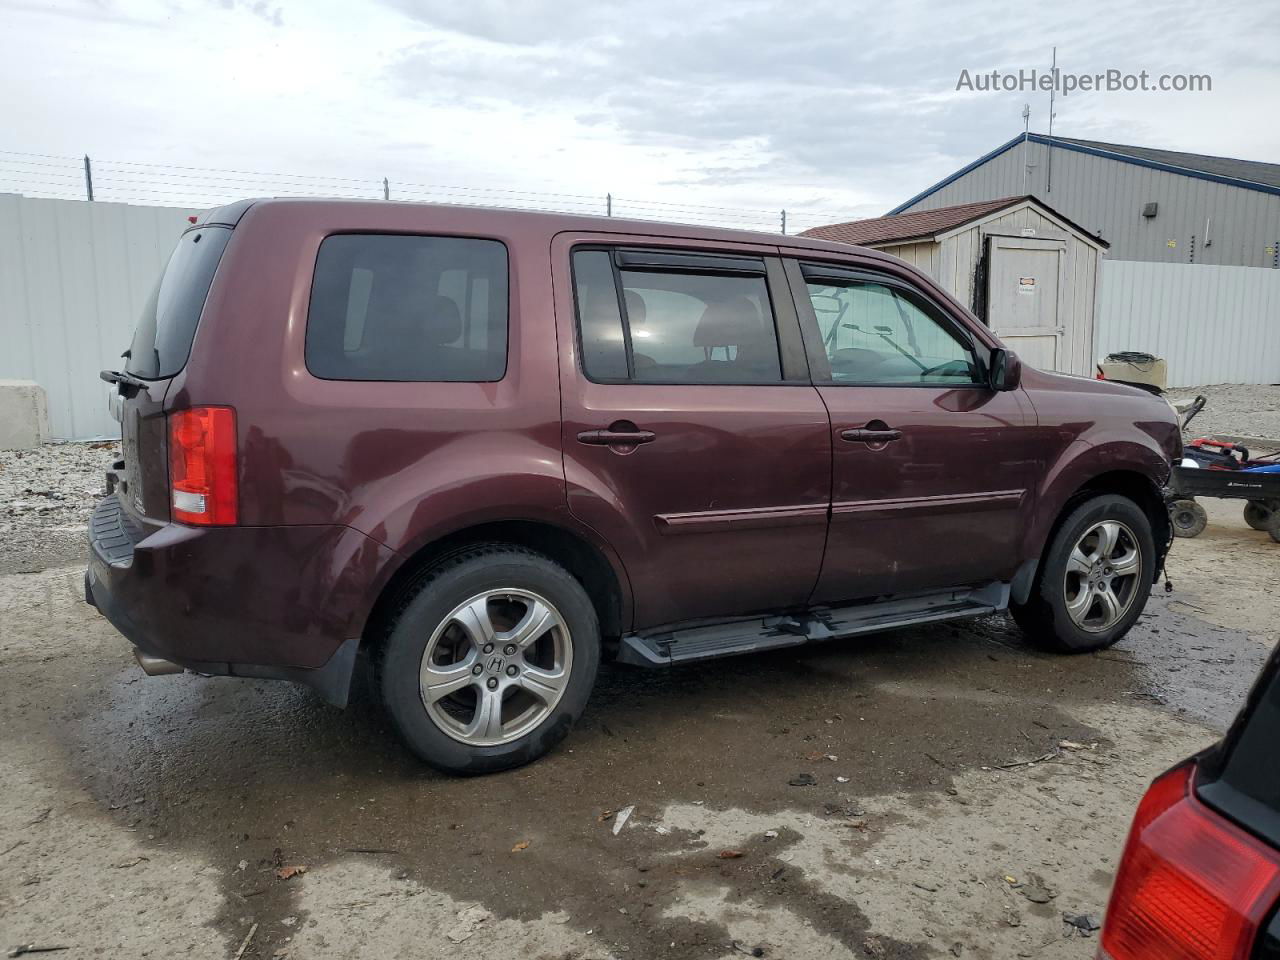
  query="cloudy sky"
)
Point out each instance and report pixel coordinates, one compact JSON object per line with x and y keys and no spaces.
{"x":831,"y":110}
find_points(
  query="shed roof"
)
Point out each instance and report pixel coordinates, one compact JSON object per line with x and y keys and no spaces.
{"x":901,"y":227}
{"x":930,"y":224}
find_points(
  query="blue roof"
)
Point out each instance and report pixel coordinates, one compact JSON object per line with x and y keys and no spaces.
{"x":1246,"y":174}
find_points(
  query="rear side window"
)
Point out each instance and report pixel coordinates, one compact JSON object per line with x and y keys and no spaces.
{"x":408,"y":308}
{"x":163,"y":336}
{"x":646,"y":324}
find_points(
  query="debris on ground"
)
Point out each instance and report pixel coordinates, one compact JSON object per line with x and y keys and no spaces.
{"x":803,"y":780}
{"x":288,"y":873}
{"x":1036,"y":890}
{"x":522,"y":845}
{"x":621,"y":819}
{"x":730,"y":854}
{"x":1085,"y":924}
{"x":747,"y":951}
{"x":24,"y":949}
{"x":469,"y":921}
{"x":1026,"y":763}
{"x":244,"y":944}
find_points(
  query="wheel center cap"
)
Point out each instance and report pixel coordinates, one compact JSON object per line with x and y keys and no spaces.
{"x":496,"y":665}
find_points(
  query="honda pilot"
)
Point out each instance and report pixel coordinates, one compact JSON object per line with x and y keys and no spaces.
{"x":484,"y":450}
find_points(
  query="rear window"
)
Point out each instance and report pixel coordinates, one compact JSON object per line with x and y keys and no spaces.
{"x":408,"y":308}
{"x":162,"y":339}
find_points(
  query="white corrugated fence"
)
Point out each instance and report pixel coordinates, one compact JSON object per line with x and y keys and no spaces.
{"x":73,"y":279}
{"x":1212,"y":324}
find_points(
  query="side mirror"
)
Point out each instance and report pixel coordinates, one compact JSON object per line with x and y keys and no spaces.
{"x":1004,"y":371}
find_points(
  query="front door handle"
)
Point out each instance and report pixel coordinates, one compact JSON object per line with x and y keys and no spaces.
{"x":613,"y":437}
{"x":867,"y":435}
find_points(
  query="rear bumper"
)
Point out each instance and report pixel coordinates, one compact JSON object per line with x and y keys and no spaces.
{"x":283,"y":602}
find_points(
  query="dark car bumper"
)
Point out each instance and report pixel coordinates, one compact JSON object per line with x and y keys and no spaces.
{"x":283,"y":602}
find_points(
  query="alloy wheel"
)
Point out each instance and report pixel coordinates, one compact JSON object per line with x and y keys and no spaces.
{"x":1104,"y":573}
{"x":496,"y":667}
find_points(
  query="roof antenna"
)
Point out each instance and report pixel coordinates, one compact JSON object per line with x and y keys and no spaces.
{"x":1053,"y":89}
{"x":1026,"y":158}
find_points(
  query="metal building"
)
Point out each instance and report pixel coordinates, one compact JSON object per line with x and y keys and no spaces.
{"x":1027,"y":272}
{"x":1193,"y":269}
{"x":1159,"y":206}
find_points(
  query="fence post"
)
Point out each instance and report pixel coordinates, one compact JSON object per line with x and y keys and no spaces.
{"x":88,"y":178}
{"x":608,"y":204}
{"x":386,"y":189}
{"x":784,"y":221}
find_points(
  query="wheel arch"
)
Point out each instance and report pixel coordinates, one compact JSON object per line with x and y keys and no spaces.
{"x":603,"y":581}
{"x":1131,"y":484}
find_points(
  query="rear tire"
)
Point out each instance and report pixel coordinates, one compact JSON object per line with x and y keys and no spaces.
{"x":489,"y":659}
{"x":1274,"y":528}
{"x":1188,"y":518}
{"x":1094,"y":579}
{"x":1258,"y":513}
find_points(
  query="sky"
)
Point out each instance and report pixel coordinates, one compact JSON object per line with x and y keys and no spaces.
{"x":720,"y":111}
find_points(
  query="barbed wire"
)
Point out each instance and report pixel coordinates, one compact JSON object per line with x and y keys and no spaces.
{"x":147,"y":182}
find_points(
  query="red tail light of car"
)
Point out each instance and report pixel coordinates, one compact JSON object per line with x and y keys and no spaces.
{"x":202,"y":466}
{"x":1191,"y":885}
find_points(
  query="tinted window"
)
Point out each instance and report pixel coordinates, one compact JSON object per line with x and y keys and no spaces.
{"x":674,"y":327}
{"x":408,"y":308}
{"x":875,"y":333}
{"x":604,"y":347}
{"x":162,"y":339}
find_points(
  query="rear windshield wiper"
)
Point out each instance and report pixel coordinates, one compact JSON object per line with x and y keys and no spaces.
{"x":124,"y":379}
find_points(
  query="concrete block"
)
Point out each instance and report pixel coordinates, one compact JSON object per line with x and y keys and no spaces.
{"x":24,"y":415}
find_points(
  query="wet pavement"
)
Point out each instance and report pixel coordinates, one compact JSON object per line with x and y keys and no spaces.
{"x":966,"y":792}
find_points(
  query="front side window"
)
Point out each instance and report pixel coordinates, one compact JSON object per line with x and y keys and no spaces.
{"x":409,"y":308}
{"x":877,"y":333}
{"x":673,"y":326}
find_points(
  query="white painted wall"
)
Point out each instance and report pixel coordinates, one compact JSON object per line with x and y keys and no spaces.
{"x":1213,"y":324}
{"x":73,"y":279}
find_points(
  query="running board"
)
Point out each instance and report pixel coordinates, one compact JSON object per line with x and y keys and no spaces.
{"x":663,"y":648}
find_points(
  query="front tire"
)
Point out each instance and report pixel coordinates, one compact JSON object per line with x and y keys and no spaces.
{"x":489,"y":660}
{"x":1093,"y":580}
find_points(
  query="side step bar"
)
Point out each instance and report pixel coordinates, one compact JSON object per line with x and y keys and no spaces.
{"x":663,"y":648}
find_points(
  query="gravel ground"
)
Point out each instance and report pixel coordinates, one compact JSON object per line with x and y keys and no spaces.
{"x":171,"y":816}
{"x":46,"y":497}
{"x":1236,"y":410}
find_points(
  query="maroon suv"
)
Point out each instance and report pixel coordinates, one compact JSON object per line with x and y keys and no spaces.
{"x":484,"y":449}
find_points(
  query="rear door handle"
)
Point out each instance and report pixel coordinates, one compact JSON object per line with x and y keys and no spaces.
{"x":616,"y":438}
{"x":866,"y":435}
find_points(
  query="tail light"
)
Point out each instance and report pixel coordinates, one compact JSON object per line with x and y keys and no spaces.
{"x":1191,"y":886}
{"x":202,"y":466}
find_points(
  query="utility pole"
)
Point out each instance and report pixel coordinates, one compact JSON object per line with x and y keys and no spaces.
{"x":1053,"y":89}
{"x":608,"y":204}
{"x":1026,"y":157}
{"x":386,"y":189}
{"x":784,"y":222}
{"x":88,"y":178}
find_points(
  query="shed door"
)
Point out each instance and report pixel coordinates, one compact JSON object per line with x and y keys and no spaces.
{"x":1024,"y":297}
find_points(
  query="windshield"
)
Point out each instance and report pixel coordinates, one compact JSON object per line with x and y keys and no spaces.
{"x":162,"y":339}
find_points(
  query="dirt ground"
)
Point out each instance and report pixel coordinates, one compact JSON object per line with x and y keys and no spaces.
{"x":155,"y":817}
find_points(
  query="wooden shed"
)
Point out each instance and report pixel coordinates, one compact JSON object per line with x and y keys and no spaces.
{"x":1028,"y":272}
